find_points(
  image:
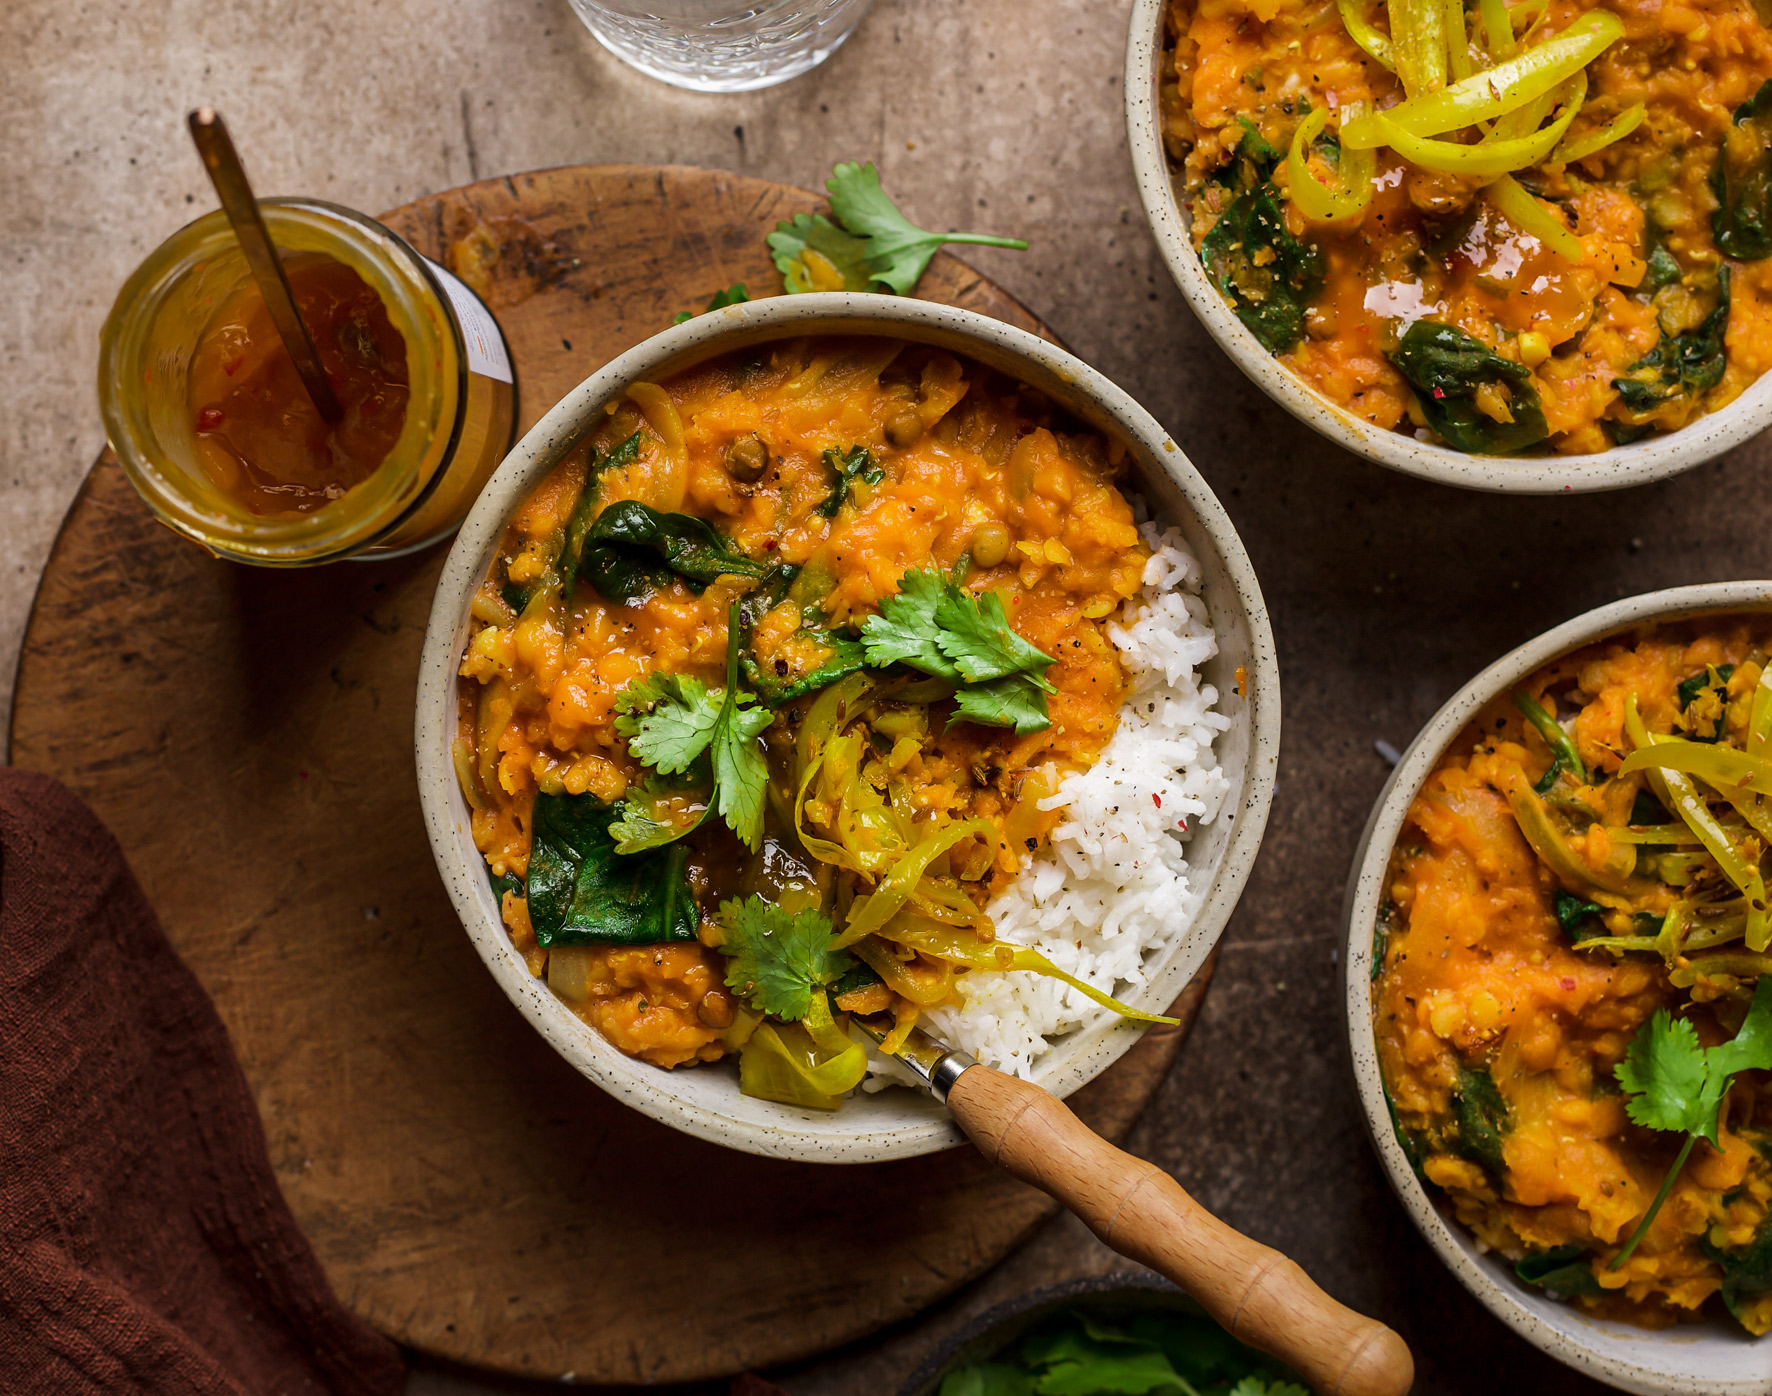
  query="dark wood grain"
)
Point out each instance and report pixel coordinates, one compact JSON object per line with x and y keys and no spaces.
{"x":247,"y":735}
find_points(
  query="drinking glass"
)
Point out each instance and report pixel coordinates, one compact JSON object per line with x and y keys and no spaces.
{"x":721,"y":45}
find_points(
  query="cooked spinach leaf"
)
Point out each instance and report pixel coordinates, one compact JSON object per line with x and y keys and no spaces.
{"x":1686,"y":363}
{"x":502,"y":883}
{"x":1664,"y":267}
{"x":1746,"y":1272}
{"x":1482,"y":1118}
{"x":1565,"y":1270}
{"x":775,"y":688}
{"x":848,"y":467}
{"x":1452,"y":373}
{"x":1577,"y":916}
{"x":633,"y":550}
{"x":1704,"y":700}
{"x":1265,"y":274}
{"x":582,"y":892}
{"x":584,"y":513}
{"x":1742,"y":182}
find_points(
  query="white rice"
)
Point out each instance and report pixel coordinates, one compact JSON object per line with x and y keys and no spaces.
{"x":1113,"y":890}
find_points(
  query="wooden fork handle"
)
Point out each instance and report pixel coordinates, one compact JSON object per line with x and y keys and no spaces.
{"x":1258,"y":1295}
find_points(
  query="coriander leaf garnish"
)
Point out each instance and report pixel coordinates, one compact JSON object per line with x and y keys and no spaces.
{"x":848,"y":467}
{"x":639,"y":826}
{"x":868,"y":242}
{"x":668,"y":719}
{"x":944,"y":631}
{"x":735,"y":294}
{"x":741,"y":772}
{"x":977,"y":636}
{"x":1009,"y":702}
{"x":1676,"y":1085}
{"x":671,"y":720}
{"x":778,"y":958}
{"x":905,"y":631}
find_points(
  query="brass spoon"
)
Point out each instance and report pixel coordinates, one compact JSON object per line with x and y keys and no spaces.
{"x":228,"y":175}
{"x":1256,"y":1294}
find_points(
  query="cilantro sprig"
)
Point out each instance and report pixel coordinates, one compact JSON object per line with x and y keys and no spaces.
{"x":678,"y":726}
{"x":866,"y":240}
{"x":1675,"y":1085}
{"x":944,"y":631}
{"x":778,"y":959}
{"x":735,"y":294}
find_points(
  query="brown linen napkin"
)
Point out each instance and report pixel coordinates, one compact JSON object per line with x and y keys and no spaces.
{"x":144,"y":1245}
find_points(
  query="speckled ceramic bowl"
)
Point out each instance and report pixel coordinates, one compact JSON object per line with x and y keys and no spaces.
{"x":1652,"y":459}
{"x":1111,"y":1299}
{"x":895,"y":1123}
{"x":1709,"y":1359}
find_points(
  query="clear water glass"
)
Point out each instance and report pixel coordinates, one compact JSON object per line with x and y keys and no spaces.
{"x":721,"y":45}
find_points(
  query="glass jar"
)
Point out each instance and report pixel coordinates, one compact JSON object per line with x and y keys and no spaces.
{"x":460,"y":410}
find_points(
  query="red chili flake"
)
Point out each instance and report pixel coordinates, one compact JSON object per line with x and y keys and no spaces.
{"x":768,"y":545}
{"x":209,"y":419}
{"x":304,"y":775}
{"x":1181,"y":823}
{"x":1157,"y":800}
{"x":1567,"y":983}
{"x":1439,"y":393}
{"x":232,"y":366}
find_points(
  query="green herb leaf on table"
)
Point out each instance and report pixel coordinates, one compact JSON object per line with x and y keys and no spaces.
{"x":1674,"y":1084}
{"x":735,"y":294}
{"x":869,"y":242}
{"x":1447,"y":368}
{"x":941,"y":630}
{"x":847,"y":467}
{"x":1255,"y":1386}
{"x":778,"y":958}
{"x":1685,"y":363}
{"x":582,"y":892}
{"x":633,"y":550}
{"x":1742,"y":182}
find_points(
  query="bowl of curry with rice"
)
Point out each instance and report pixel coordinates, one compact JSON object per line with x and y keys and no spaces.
{"x":833,"y":655}
{"x":1559,"y":988}
{"x":1514,"y":245}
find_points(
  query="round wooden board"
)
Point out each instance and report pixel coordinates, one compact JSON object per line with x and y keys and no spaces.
{"x":248,"y":736}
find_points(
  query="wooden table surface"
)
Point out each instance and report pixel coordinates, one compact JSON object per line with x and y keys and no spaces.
{"x":1000,"y":115}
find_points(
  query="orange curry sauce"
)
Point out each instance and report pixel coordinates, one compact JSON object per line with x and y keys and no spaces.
{"x":973,"y":463}
{"x":259,"y":438}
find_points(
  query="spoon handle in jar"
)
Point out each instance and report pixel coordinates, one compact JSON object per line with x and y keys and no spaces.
{"x":228,"y":175}
{"x":1258,"y":1295}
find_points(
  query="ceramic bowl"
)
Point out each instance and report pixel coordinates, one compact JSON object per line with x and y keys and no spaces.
{"x":1708,"y":1359}
{"x":1110,"y":1299}
{"x":1652,"y":459}
{"x":896,"y":1123}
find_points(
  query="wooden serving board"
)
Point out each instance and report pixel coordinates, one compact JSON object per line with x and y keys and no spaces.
{"x":248,"y":736}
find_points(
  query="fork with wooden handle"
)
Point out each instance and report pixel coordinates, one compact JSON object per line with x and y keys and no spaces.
{"x":1255,"y":1293}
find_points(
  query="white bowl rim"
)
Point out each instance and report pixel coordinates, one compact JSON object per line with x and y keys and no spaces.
{"x":1654,"y":458}
{"x":1614,"y":1352}
{"x":796,"y":1134}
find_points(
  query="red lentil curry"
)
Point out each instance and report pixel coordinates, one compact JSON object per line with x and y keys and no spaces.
{"x":1507,"y":225}
{"x":764,"y":687}
{"x":1574,"y":1008}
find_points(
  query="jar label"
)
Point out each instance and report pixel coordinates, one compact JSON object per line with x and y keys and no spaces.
{"x":485,"y":341}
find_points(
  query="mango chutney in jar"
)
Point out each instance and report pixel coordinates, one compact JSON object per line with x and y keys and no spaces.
{"x":206,"y":413}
